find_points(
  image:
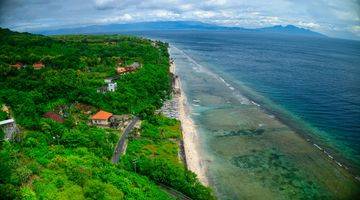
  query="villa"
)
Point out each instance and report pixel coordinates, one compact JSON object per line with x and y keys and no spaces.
{"x":123,"y":70}
{"x":110,"y":85}
{"x":135,"y":65}
{"x":9,"y":128}
{"x":130,"y":68}
{"x":102,"y":118}
{"x":38,"y":65}
{"x":18,"y":65}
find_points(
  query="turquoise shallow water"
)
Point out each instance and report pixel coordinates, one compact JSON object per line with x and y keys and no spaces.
{"x":247,"y":151}
{"x":261,"y":102}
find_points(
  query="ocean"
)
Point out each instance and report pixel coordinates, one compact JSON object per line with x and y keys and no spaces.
{"x":278,"y":116}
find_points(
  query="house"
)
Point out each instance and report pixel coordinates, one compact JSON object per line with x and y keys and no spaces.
{"x":102,"y":89}
{"x":102,"y":118}
{"x":135,"y":65}
{"x":123,"y":70}
{"x":130,"y":68}
{"x":108,"y":80}
{"x":54,"y":116}
{"x":9,"y":128}
{"x":109,"y":86}
{"x":18,"y":65}
{"x":38,"y":65}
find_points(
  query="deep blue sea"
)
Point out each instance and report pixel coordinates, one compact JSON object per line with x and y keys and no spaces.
{"x":316,"y":79}
{"x":310,"y":84}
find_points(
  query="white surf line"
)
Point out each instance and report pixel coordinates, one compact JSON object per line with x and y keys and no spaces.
{"x":242,"y":98}
{"x":332,"y":158}
{"x":356,"y":177}
{"x":317,"y":146}
{"x":256,"y":104}
{"x":201,"y":68}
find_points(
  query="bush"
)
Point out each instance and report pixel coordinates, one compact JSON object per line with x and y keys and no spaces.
{"x":27,"y":193}
{"x":97,"y":190}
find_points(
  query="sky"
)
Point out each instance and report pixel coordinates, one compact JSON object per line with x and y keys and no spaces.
{"x":335,"y":18}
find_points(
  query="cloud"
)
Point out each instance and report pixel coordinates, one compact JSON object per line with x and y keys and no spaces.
{"x":105,"y":4}
{"x":116,"y":19}
{"x":355,"y":30}
{"x":332,"y":17}
{"x":310,"y":25}
{"x":202,"y":14}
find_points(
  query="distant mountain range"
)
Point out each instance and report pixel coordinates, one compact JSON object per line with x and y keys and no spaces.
{"x":176,"y":25}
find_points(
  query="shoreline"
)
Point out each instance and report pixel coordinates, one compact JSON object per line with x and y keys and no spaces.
{"x":189,"y":133}
{"x":332,"y":173}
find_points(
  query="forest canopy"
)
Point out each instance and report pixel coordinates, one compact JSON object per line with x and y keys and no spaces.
{"x":74,"y":68}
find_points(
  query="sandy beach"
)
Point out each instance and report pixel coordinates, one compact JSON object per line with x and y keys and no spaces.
{"x":190,"y":134}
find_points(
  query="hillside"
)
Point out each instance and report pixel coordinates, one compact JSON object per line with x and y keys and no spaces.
{"x":290,"y":29}
{"x":51,"y":87}
{"x":178,"y":25}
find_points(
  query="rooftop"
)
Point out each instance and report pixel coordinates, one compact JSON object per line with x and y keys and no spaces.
{"x":102,"y":115}
{"x":8,"y":121}
{"x":121,"y":70}
{"x":18,"y":65}
{"x":38,"y":65}
{"x":54,"y":116}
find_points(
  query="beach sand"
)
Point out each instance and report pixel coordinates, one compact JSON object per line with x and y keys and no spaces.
{"x":190,"y":135}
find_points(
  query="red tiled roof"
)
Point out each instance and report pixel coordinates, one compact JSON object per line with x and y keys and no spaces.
{"x":102,"y":115}
{"x":122,"y":70}
{"x":17,"y":65}
{"x":54,"y":116}
{"x":38,"y":65}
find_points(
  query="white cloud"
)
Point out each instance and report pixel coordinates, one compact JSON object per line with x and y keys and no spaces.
{"x":333,"y":17}
{"x":185,"y":7}
{"x":104,"y":4}
{"x":165,"y":14}
{"x":216,"y":2}
{"x":310,"y":25}
{"x":355,"y":30}
{"x":117,"y":19}
{"x":201,"y":14}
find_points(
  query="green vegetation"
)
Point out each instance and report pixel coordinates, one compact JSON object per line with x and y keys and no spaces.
{"x":155,"y":154}
{"x":75,"y":66}
{"x":71,"y":160}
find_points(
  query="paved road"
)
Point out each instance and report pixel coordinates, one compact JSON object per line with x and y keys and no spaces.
{"x":173,"y":192}
{"x":120,"y":145}
{"x":120,"y":148}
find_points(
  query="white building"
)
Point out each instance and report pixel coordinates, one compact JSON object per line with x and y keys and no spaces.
{"x":9,"y":127}
{"x":111,"y":87}
{"x":108,"y":80}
